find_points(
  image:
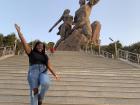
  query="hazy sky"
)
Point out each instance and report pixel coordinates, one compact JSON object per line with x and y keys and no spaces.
{"x":120,"y":19}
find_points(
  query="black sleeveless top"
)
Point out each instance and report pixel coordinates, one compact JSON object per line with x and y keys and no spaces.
{"x":37,"y":58}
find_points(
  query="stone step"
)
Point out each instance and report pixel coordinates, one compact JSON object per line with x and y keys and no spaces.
{"x":76,"y":71}
{"x":18,"y":103}
{"x":76,"y":83}
{"x":74,"y":88}
{"x":76,"y":79}
{"x":93,"y":77}
{"x":80,"y":73}
{"x":135,"y":85}
{"x":73,"y":100}
{"x":90,"y":59}
{"x":74,"y":93}
{"x":85,"y":79}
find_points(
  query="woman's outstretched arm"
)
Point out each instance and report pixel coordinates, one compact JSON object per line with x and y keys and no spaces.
{"x":25,"y":45}
{"x":53,"y":73}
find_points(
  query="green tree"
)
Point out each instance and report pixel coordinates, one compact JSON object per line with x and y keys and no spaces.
{"x":135,"y":48}
{"x":9,"y":40}
{"x":111,"y":47}
{"x":1,"y":39}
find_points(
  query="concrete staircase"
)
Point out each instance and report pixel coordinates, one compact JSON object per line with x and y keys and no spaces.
{"x":85,"y":80}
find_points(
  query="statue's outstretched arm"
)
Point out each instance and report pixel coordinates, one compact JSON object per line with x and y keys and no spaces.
{"x":92,"y":2}
{"x":56,"y":23}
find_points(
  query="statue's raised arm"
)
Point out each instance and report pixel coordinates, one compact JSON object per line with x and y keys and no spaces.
{"x":92,"y":2}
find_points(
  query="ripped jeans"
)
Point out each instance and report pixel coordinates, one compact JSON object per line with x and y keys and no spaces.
{"x":38,"y":79}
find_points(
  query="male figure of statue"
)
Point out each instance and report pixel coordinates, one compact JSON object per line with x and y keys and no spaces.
{"x":65,"y":28}
{"x":81,"y":19}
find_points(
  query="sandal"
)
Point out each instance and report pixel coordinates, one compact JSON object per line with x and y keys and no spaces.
{"x":39,"y":101}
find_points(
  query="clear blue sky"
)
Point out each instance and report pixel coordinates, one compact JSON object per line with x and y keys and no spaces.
{"x":120,"y":19}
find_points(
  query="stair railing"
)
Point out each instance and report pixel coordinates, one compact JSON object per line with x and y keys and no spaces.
{"x":129,"y":56}
{"x":6,"y":51}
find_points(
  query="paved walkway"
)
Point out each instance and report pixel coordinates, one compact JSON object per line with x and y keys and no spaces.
{"x":85,"y":80}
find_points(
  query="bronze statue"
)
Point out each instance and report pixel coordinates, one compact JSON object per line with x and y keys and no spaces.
{"x":82,"y":33}
{"x":65,"y":28}
{"x":81,"y":19}
{"x":96,"y":27}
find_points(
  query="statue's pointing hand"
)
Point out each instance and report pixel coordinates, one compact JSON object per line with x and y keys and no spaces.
{"x":50,"y":30}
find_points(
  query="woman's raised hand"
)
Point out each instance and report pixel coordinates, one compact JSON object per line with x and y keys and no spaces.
{"x":17,"y":28}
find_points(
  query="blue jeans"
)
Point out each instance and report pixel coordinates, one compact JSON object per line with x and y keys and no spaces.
{"x":38,"y":79}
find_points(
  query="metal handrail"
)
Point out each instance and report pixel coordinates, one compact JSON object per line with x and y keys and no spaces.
{"x":129,"y":56}
{"x":101,"y":53}
{"x":121,"y":54}
{"x":6,"y":51}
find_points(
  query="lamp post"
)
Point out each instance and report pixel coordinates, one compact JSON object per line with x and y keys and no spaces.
{"x":116,"y":52}
{"x":99,"y":42}
{"x":15,"y":45}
